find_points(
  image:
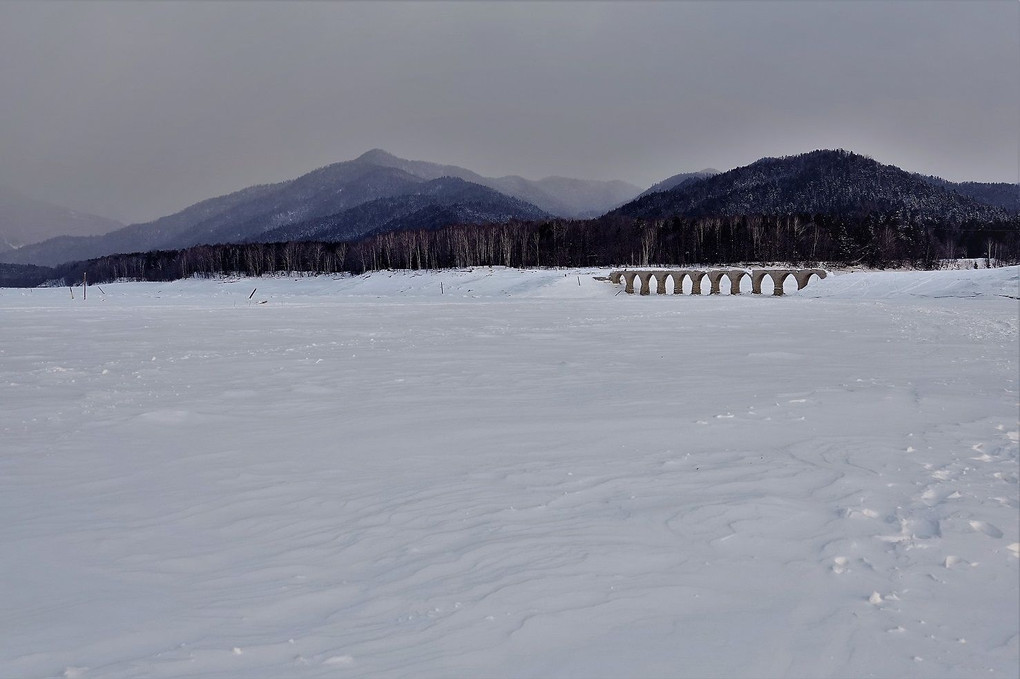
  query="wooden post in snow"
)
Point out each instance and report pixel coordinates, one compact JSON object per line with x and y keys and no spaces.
{"x":84,"y":286}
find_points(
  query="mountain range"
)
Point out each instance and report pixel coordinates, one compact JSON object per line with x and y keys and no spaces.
{"x":379,"y":192}
{"x":821,"y":182}
{"x":386,"y":192}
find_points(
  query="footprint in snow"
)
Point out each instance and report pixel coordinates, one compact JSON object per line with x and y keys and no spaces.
{"x":863,"y":511}
{"x":923,"y":528}
{"x":953,"y":561}
{"x":988,"y":529}
{"x":339,"y":660}
{"x":933,"y":496}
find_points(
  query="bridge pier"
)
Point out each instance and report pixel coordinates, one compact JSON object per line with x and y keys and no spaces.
{"x":756,"y":277}
{"x":713,"y":278}
{"x":678,"y":282}
{"x":735,"y":277}
{"x":660,"y":281}
{"x":802,"y":277}
{"x":646,"y":279}
{"x":696,"y":278}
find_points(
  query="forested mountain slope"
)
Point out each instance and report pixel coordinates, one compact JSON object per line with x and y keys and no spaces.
{"x":432,"y":205}
{"x":821,"y":182}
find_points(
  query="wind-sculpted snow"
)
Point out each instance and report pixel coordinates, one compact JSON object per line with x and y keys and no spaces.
{"x":496,"y":473}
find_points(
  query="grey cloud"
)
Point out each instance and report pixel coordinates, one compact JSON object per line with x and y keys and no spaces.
{"x":134,"y":110}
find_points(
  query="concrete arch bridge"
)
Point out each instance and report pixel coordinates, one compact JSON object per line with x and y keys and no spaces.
{"x":715,"y":276}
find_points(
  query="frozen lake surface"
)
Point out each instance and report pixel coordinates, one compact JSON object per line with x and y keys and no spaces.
{"x":528,"y":475}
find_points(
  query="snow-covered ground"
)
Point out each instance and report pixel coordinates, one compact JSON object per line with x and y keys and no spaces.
{"x":528,"y":475}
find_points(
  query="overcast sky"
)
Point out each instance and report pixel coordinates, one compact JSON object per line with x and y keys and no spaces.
{"x":136,"y":110}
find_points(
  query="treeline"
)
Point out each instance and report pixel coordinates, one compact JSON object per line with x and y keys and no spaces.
{"x":23,"y":275}
{"x":875,"y":240}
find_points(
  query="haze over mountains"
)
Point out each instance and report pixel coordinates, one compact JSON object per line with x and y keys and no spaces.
{"x":24,"y":220}
{"x":379,"y":192}
{"x":559,"y":196}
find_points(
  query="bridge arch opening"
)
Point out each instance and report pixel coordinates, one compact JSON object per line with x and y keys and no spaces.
{"x":738,"y":282}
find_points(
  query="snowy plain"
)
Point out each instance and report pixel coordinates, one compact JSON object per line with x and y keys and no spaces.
{"x":500,"y":473}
